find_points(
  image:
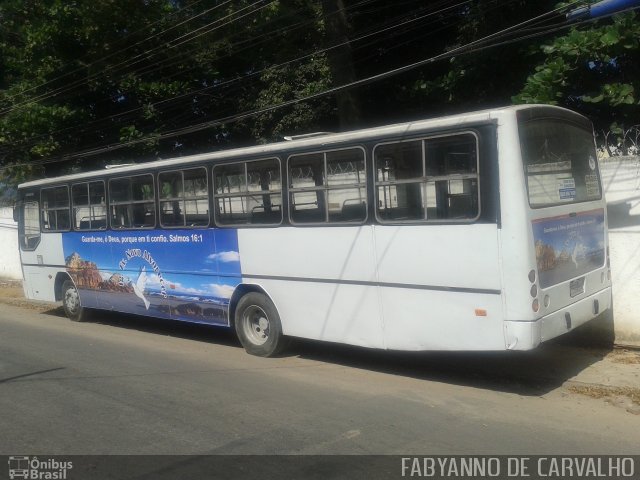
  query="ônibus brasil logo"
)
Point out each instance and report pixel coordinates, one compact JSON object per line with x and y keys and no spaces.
{"x":36,"y":469}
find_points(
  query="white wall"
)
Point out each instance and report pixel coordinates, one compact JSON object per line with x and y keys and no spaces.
{"x":9,"y":255}
{"x":621,"y":182}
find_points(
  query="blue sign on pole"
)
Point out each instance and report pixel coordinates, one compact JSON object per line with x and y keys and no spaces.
{"x":600,"y":9}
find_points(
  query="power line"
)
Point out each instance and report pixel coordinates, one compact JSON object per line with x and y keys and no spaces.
{"x":470,"y":47}
{"x":374,"y":78}
{"x":160,"y":65}
{"x":253,"y":74}
{"x":180,"y":58}
{"x":132,"y":61}
{"x":130,"y":46}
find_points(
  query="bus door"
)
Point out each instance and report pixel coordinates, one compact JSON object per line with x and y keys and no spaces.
{"x":27,"y":214}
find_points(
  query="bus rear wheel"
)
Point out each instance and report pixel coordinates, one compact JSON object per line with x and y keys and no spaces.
{"x":71,"y":302}
{"x":258,"y":326}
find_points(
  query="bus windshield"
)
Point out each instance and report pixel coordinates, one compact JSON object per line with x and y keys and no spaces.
{"x":560,"y":163}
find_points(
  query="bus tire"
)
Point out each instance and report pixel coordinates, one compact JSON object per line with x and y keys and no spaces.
{"x":258,"y":325}
{"x":71,"y":302}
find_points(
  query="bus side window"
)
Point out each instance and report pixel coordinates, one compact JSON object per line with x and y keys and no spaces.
{"x":307,"y":195}
{"x":88,"y":206}
{"x":399,"y":174}
{"x":55,"y":209}
{"x":346,"y":179}
{"x":171,"y":199}
{"x":264,"y":186}
{"x":328,"y":187}
{"x":29,"y":225}
{"x":184,"y":198}
{"x":452,"y":162}
{"x":433,"y":179}
{"x":196,"y":197}
{"x":132,"y":202}
{"x":248,"y":193}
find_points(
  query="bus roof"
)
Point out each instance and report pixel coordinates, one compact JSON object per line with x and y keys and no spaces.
{"x":319,"y":141}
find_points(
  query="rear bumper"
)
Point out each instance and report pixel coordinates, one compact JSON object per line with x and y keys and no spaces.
{"x":528,"y":335}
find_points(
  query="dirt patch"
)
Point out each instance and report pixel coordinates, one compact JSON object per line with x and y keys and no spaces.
{"x":625,"y":397}
{"x":11,"y":293}
{"x":9,"y":284}
{"x":624,"y":356}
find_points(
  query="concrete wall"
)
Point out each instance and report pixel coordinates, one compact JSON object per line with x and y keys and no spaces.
{"x":621,"y":182}
{"x":9,"y":256}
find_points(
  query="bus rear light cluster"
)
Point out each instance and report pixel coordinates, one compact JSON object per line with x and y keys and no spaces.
{"x":535,"y":305}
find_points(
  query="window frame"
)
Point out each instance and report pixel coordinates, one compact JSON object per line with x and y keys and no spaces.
{"x":246,"y":193}
{"x":325,"y":187}
{"x":106,"y":206}
{"x":68,"y":208}
{"x":133,"y":202}
{"x":425,"y":179}
{"x":184,"y":198}
{"x":564,"y":121}
{"x":27,"y":199}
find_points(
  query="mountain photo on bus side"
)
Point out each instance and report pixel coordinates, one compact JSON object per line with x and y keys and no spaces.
{"x":144,"y":272}
{"x":569,"y":245}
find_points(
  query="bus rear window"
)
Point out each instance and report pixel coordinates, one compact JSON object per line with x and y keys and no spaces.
{"x":559,"y":162}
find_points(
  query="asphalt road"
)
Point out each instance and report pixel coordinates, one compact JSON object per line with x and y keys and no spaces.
{"x":129,"y":385}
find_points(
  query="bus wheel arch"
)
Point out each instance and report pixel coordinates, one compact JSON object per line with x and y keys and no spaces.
{"x":70,"y":297}
{"x":61,"y":277}
{"x":256,"y":321}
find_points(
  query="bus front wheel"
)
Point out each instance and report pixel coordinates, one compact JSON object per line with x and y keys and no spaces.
{"x":71,"y":302}
{"x":258,"y":325}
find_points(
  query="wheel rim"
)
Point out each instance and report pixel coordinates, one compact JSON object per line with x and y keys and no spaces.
{"x":72,"y":300}
{"x":255,"y":324}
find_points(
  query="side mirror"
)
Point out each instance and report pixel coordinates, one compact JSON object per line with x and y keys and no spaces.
{"x":16,"y":213}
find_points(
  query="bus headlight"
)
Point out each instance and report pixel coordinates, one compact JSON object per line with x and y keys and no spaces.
{"x":535,"y":305}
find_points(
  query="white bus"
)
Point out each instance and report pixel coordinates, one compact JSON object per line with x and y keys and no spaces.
{"x":480,"y":231}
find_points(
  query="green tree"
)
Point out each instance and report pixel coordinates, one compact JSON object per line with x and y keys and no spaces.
{"x":595,"y":71}
{"x":78,"y":76}
{"x":86,"y":77}
{"x":485,"y":77}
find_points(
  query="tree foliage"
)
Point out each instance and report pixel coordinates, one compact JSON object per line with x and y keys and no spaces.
{"x":78,"y":79}
{"x":595,"y":71}
{"x":78,"y":76}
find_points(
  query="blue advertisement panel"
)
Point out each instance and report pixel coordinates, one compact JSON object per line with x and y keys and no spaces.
{"x":569,"y":246}
{"x":180,"y":274}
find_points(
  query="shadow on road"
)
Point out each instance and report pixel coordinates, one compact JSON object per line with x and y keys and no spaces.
{"x":531,"y":373}
{"x":190,"y":331}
